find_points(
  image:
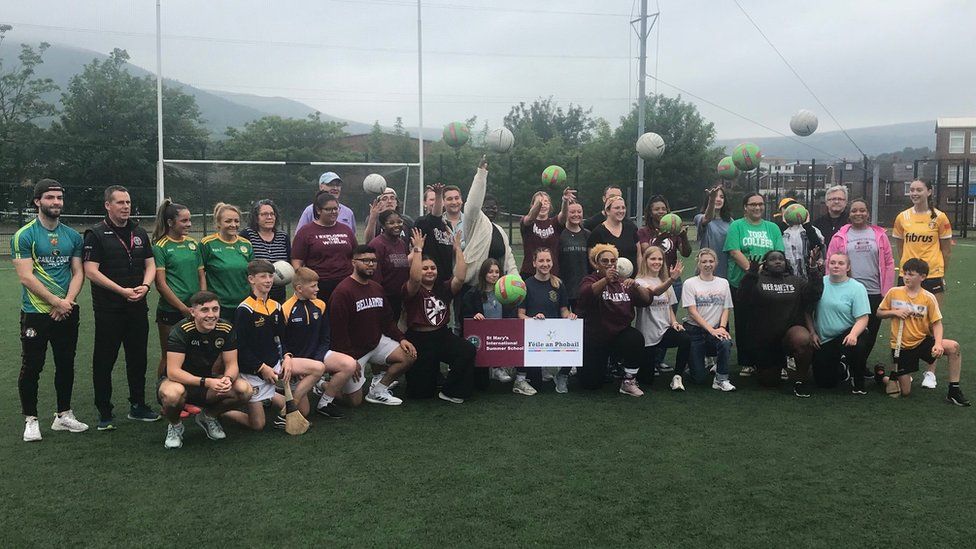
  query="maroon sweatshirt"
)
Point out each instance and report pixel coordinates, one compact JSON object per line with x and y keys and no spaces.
{"x":325,"y":250}
{"x":359,"y":315}
{"x":609,"y":313}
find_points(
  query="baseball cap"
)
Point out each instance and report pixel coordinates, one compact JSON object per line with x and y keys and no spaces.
{"x":329,"y":177}
{"x":786,"y":202}
{"x":46,"y":185}
{"x":389,"y":190}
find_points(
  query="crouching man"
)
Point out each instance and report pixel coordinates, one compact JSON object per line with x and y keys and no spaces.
{"x":195,"y":350}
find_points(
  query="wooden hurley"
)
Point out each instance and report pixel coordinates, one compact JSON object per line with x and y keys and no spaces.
{"x":295,"y":422}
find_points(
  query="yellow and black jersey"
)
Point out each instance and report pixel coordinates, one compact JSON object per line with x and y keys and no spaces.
{"x":260,"y":330}
{"x":307,"y":333}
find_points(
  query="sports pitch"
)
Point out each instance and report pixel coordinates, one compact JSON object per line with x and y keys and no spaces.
{"x":752,"y":468}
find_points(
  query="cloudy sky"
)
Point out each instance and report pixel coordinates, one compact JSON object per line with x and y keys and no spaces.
{"x":870,"y":62}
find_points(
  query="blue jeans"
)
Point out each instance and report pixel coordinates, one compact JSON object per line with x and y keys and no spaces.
{"x":703,"y":343}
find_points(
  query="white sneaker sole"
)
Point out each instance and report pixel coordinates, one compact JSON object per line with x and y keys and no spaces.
{"x":61,"y":427}
{"x":522,"y":392}
{"x":31,"y":439}
{"x":385,"y":402}
{"x":452,"y":400}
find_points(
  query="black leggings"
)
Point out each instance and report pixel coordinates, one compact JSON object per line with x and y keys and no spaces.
{"x":626,"y":347}
{"x":771,"y":356}
{"x":744,"y":332}
{"x":652,"y":354}
{"x":874,"y":326}
{"x":433,"y":348}
{"x":827,"y":370}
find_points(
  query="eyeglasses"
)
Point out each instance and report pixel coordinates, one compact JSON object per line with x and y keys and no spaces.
{"x":266,"y":214}
{"x":366,"y":260}
{"x":607,"y":260}
{"x":756,"y":204}
{"x":330,"y":210}
{"x":836,"y":199}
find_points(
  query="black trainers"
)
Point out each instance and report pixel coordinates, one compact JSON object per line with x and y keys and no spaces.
{"x":955,"y":397}
{"x":800,"y":390}
{"x":331,"y":411}
{"x":279,"y":421}
{"x":141,"y":412}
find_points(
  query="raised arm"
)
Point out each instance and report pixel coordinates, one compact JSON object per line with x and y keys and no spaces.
{"x":416,"y":264}
{"x":460,"y":266}
{"x":533,"y":214}
{"x":569,"y":195}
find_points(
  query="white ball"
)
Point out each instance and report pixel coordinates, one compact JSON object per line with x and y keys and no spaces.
{"x":650,"y":146}
{"x":284,"y":272}
{"x":500,"y":140}
{"x":374,"y":183}
{"x":624,"y":267}
{"x":804,"y":123}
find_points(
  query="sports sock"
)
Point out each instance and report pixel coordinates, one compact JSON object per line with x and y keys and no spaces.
{"x":520,"y":377}
{"x":325,"y":400}
{"x":630,"y":372}
{"x":953,"y":384}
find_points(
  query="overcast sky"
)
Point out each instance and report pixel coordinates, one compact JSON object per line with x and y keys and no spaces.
{"x":870,"y":62}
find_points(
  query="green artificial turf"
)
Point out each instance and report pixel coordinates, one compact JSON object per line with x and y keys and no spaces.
{"x":754,"y":468}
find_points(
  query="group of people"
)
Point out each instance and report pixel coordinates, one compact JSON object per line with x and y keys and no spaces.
{"x":231,"y":338}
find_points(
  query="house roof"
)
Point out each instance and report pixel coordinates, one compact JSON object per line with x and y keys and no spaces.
{"x":963,"y":122}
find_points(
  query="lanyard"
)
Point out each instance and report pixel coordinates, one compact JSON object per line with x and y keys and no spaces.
{"x":128,"y":249}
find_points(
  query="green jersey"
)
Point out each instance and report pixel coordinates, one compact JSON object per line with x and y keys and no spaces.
{"x":226,"y":266}
{"x":51,"y":251}
{"x":182,"y":261}
{"x":753,"y":241}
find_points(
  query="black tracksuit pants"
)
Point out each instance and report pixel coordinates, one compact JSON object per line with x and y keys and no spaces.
{"x":128,"y":328}
{"x":435,"y":347}
{"x":36,"y":331}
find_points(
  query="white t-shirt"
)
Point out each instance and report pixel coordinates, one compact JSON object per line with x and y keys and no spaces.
{"x":711,"y":298}
{"x":655,"y":319}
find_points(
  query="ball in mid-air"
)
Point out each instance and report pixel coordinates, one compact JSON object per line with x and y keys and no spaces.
{"x":795,"y":214}
{"x":726,"y":168}
{"x":804,"y":123}
{"x":553,"y":176}
{"x":374,"y":183}
{"x":500,"y":140}
{"x":624,"y":267}
{"x":670,"y":223}
{"x":746,"y":156}
{"x":510,"y":290}
{"x":283,"y":274}
{"x":650,"y":146}
{"x":456,"y":134}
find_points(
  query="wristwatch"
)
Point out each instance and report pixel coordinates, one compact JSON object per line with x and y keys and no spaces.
{"x":203,"y":381}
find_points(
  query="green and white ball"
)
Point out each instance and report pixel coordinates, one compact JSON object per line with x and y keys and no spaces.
{"x":726,"y":168}
{"x":510,"y":290}
{"x":795,"y":214}
{"x":746,"y":156}
{"x":670,"y":223}
{"x":553,"y":176}
{"x":456,"y":134}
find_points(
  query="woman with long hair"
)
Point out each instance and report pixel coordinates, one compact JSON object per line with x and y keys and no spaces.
{"x":545,"y":297}
{"x":670,"y":243}
{"x":713,"y":226}
{"x":225,"y":257}
{"x":614,"y":231}
{"x":266,"y":238}
{"x":924,"y":232}
{"x":658,"y":323}
{"x":708,"y":300}
{"x":179,"y":270}
{"x":540,"y":230}
{"x":872,"y":262}
{"x":480,"y":303}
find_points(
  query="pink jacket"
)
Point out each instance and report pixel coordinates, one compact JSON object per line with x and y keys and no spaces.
{"x":886,"y":260}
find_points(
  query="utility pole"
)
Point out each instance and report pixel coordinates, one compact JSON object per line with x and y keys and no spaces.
{"x":642,"y":34}
{"x":160,"y":184}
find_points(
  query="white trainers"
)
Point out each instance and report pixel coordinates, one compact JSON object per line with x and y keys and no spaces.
{"x":32,"y":429}
{"x":725,"y":385}
{"x":562,"y":384}
{"x":500,"y":375}
{"x":928,"y":380}
{"x":66,"y":421}
{"x":379,"y":395}
{"x":677,"y":384}
{"x":174,"y":436}
{"x":522,"y":387}
{"x":629,"y":387}
{"x":210,"y":426}
{"x":452,"y":400}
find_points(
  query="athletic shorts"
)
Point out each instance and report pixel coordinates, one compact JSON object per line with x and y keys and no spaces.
{"x":261,"y":389}
{"x":933,"y":285}
{"x":378,"y":355}
{"x":168,"y":318}
{"x":908,"y":360}
{"x":195,"y":394}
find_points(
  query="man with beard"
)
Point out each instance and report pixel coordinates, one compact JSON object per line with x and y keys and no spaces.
{"x":787,"y":302}
{"x":363,"y":327}
{"x":47,"y":258}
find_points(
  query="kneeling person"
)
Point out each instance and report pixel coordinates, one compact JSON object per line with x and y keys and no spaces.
{"x":194,"y":351}
{"x":307,"y":336}
{"x":915,"y":313}
{"x":260,"y":327}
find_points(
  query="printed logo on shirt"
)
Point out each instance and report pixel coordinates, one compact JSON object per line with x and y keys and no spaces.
{"x":219,"y":342}
{"x":780,"y":288}
{"x":709,"y":300}
{"x":243,"y":249}
{"x":916,"y":309}
{"x":758,"y":239}
{"x":553,"y":296}
{"x":926,"y":238}
{"x":369,"y":303}
{"x":435,"y":310}
{"x":259,"y":322}
{"x":616,"y":297}
{"x":192,"y":246}
{"x":137,"y":241}
{"x":332,"y":239}
{"x":543,"y":233}
{"x":443,"y":237}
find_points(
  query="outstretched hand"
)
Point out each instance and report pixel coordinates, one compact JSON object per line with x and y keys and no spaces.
{"x":417,"y":239}
{"x":483,"y":165}
{"x":754,"y":265}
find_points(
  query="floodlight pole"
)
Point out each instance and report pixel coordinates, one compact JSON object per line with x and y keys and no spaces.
{"x":160,"y":184}
{"x":642,"y":71}
{"x":420,"y":110}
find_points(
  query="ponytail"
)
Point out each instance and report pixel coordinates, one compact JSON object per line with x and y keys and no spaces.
{"x":166,"y":212}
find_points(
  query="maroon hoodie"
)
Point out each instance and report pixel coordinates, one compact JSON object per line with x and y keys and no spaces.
{"x":609,"y":313}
